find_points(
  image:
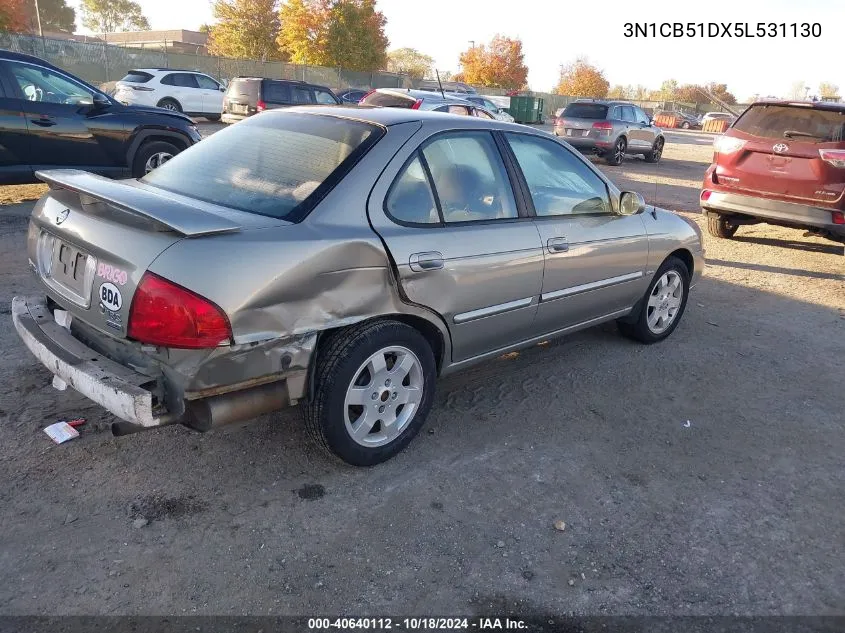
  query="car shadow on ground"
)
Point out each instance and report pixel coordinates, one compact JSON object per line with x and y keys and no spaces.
{"x":776,"y":269}
{"x":701,"y":472}
{"x":831,"y":249}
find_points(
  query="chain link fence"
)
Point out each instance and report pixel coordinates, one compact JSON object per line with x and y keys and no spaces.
{"x":99,"y":63}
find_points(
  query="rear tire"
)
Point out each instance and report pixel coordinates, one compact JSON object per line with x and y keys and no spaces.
{"x":395,"y":396}
{"x":152,"y":155}
{"x":616,"y":154}
{"x":685,"y":125}
{"x":662,"y":306}
{"x":212,"y":117}
{"x":170,"y":104}
{"x":719,"y":225}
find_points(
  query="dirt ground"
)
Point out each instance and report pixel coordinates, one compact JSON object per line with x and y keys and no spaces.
{"x":702,"y":475}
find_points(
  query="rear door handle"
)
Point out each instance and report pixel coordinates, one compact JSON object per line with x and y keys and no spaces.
{"x":557,"y":245}
{"x":44,"y":122}
{"x":426,"y":261}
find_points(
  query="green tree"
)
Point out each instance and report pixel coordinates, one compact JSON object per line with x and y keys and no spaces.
{"x":302,"y":32}
{"x":668,"y":89}
{"x":411,"y":62}
{"x":246,"y":29}
{"x":55,"y":15}
{"x":828,"y":90}
{"x":355,"y":36}
{"x":109,"y":16}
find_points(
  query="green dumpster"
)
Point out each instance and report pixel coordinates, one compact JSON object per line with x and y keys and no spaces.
{"x":526,"y":109}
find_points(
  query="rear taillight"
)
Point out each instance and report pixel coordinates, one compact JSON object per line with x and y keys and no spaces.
{"x":838,"y":217}
{"x":835,"y":157}
{"x":417,"y":104}
{"x":142,"y":88}
{"x":260,"y":106}
{"x":727,"y":144}
{"x":165,"y":314}
{"x":603,"y":127}
{"x":361,"y":100}
{"x":705,"y":195}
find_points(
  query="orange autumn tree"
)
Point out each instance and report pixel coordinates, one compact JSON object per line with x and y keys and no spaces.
{"x":500,"y":64}
{"x":13,"y":15}
{"x":581,"y":79}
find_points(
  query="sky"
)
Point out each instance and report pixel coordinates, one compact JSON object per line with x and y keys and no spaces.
{"x":555,"y":32}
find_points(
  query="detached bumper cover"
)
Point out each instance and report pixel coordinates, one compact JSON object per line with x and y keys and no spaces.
{"x":111,"y":385}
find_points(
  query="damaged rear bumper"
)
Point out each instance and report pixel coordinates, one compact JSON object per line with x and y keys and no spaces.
{"x":114,"y":387}
{"x":212,"y":388}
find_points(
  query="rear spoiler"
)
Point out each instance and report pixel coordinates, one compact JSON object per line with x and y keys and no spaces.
{"x":187,"y":219}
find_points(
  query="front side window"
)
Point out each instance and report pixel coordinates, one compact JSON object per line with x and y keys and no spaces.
{"x":324,"y":98}
{"x":278,"y":167}
{"x":41,"y":84}
{"x":482,"y":114}
{"x":628,"y":114}
{"x":470,"y":178}
{"x":642,"y":117}
{"x":207,"y":83}
{"x":559,"y":182}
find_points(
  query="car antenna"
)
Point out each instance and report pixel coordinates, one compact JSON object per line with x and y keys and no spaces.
{"x":442,"y":94}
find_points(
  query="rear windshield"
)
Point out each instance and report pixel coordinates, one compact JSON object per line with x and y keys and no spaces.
{"x":811,"y":125}
{"x":137,"y":77}
{"x":585,"y":111}
{"x":279,"y":165}
{"x":388,"y":100}
{"x":244,"y":88}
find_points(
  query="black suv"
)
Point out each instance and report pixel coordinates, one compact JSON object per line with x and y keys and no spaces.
{"x":51,"y":119}
{"x":246,"y":96}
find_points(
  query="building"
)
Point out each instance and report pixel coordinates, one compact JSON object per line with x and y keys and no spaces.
{"x":174,"y":41}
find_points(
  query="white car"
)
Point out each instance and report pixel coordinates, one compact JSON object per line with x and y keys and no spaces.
{"x":500,"y":113}
{"x":195,"y":94}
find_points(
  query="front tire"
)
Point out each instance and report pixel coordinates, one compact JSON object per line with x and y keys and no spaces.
{"x":656,"y":151}
{"x":214,"y":118}
{"x":719,"y":225}
{"x":685,"y":125}
{"x":373,"y":389}
{"x":151,"y":156}
{"x":616,"y":154}
{"x":662,"y":306}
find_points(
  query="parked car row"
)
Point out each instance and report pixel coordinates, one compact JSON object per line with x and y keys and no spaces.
{"x":466,"y":105}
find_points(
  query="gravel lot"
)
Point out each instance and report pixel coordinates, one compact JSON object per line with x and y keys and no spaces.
{"x":699,"y":476}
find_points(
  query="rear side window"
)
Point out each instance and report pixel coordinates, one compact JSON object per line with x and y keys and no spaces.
{"x":388,"y":100}
{"x":324,"y":97}
{"x":585,"y":111}
{"x":182,"y":80}
{"x":279,"y":166}
{"x":410,"y":198}
{"x":276,"y":92}
{"x":810,"y":125}
{"x":137,"y":77}
{"x":302,"y":95}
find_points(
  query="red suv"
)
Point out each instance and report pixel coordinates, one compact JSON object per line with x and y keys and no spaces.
{"x":781,"y":162}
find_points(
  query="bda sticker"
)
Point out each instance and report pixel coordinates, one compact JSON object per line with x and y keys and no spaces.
{"x":110,"y":297}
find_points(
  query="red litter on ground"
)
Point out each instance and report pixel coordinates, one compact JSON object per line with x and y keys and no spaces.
{"x":76,"y":422}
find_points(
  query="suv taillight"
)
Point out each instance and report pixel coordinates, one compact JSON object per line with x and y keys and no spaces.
{"x":727,"y":144}
{"x":361,"y":100}
{"x":417,"y":104}
{"x":169,"y":315}
{"x":603,"y":127}
{"x":835,"y":157}
{"x":260,"y":106}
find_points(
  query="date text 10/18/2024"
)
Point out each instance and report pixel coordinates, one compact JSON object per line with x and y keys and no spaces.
{"x":417,"y":624}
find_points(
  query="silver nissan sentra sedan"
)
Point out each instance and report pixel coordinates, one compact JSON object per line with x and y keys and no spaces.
{"x":342,"y":258}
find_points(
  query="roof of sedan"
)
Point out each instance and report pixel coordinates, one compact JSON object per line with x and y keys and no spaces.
{"x":390,"y":116}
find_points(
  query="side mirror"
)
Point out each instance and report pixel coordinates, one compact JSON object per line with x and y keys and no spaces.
{"x":101,"y":101}
{"x":631,"y":203}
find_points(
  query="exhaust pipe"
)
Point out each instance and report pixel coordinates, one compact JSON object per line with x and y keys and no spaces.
{"x":208,"y":413}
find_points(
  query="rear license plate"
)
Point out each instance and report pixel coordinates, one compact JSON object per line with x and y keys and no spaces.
{"x":241,"y":109}
{"x":573,"y":132}
{"x":69,"y":265}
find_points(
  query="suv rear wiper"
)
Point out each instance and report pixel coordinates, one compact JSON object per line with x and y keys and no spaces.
{"x":794,"y":133}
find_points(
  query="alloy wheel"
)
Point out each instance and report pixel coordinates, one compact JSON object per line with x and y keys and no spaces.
{"x":156,"y":160}
{"x":665,"y":302}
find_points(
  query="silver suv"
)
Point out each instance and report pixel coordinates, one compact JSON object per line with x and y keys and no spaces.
{"x":610,"y":129}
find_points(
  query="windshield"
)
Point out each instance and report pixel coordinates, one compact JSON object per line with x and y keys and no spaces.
{"x":784,"y":121}
{"x":585,"y":111}
{"x":279,"y":165}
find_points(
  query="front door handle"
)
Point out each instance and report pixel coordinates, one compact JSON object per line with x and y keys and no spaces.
{"x":557,"y":245}
{"x":43,"y":122}
{"x":426,"y":261}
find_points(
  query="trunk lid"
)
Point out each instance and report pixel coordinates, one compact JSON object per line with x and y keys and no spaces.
{"x":774,"y":149}
{"x":91,"y":239}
